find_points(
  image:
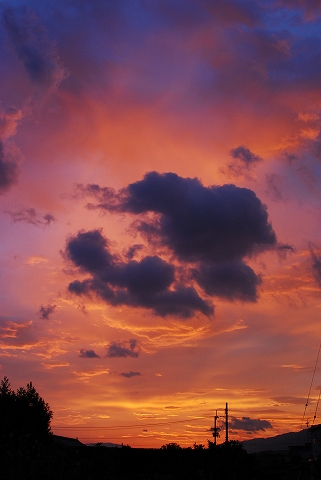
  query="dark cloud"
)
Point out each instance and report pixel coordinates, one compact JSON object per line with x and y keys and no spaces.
{"x":131,"y":252}
{"x":89,"y":251}
{"x":316,"y":265}
{"x":244,"y":155}
{"x":249,"y":424}
{"x":214,"y":228}
{"x":243,"y":163}
{"x":33,"y":47}
{"x":149,"y":283}
{"x":130,"y":374}
{"x":29,"y":215}
{"x":284,"y":249}
{"x":8,"y":169}
{"x":125,"y":349}
{"x":231,"y":280}
{"x":197,"y":223}
{"x":46,"y":311}
{"x":88,"y":354}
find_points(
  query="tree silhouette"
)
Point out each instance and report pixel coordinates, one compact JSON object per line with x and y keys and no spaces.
{"x":171,"y":446}
{"x":23,"y":414}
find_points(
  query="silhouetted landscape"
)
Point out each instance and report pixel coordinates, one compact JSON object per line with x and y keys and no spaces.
{"x":29,"y":450}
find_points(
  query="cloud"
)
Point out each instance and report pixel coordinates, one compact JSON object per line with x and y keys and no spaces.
{"x":214,"y":228}
{"x":8,"y":168}
{"x":197,"y":223}
{"x":275,"y":186}
{"x":311,"y":9}
{"x":249,"y":424}
{"x":9,"y":119}
{"x":17,"y":332}
{"x":244,"y":161}
{"x":124,"y":349}
{"x":130,"y":374}
{"x":131,"y":252}
{"x":244,"y":155}
{"x":33,"y":47}
{"x":231,"y":280}
{"x":290,"y":400}
{"x":29,"y":215}
{"x":89,"y":251}
{"x":149,"y":283}
{"x":316,"y":265}
{"x":46,"y":311}
{"x":88,"y":354}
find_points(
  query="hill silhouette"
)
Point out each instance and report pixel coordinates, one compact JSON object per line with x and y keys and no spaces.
{"x":277,"y":443}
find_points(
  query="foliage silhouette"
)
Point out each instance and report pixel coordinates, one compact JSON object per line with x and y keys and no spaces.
{"x":171,"y":446}
{"x":24,"y":415}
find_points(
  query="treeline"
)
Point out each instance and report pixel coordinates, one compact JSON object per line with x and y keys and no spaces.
{"x":28,"y":450}
{"x":56,"y":462}
{"x":24,"y":415}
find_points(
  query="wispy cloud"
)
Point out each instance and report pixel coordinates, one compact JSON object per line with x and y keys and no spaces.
{"x":29,"y":215}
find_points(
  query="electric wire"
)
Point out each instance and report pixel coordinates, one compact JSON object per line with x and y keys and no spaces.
{"x":308,"y":397}
{"x":112,"y":427}
{"x":316,"y":408}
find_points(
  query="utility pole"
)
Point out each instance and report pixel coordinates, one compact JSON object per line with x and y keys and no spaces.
{"x":215,"y":429}
{"x":226,"y":423}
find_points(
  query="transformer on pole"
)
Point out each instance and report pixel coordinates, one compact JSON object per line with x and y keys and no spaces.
{"x":215,"y":429}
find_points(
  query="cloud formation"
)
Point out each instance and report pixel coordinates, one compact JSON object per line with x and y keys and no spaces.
{"x":243,"y":163}
{"x":213,"y":229}
{"x":316,"y":265}
{"x":29,"y":215}
{"x":88,"y":354}
{"x":46,"y":311}
{"x":33,"y":47}
{"x":149,"y":283}
{"x":130,"y":374}
{"x":8,"y":169}
{"x":197,"y":223}
{"x":9,"y":119}
{"x":124,"y":349}
{"x":249,"y":424}
{"x":229,"y":280}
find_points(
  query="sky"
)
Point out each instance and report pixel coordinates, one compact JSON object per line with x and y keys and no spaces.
{"x":160,"y":211}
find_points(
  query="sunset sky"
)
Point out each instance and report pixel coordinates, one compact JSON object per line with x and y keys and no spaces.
{"x":160,"y":174}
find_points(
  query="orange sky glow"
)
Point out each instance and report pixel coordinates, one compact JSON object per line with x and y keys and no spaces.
{"x":160,"y":175}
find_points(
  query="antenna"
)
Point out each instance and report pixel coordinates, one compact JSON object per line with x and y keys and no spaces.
{"x":226,"y":423}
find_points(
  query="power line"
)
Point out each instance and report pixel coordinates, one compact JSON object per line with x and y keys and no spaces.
{"x":111,"y":427}
{"x":308,"y":398}
{"x":316,"y":407}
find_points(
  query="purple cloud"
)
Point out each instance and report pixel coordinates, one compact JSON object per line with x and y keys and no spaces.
{"x":124,"y":349}
{"x":130,"y":374}
{"x":46,"y":311}
{"x":249,"y":424}
{"x":88,"y":354}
